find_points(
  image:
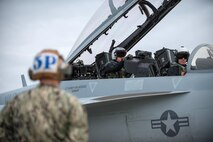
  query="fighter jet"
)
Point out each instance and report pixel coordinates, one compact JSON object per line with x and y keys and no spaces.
{"x":148,"y":105}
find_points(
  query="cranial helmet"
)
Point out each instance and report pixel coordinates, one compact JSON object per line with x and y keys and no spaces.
{"x":48,"y":64}
{"x":183,"y":53}
{"x":119,"y":52}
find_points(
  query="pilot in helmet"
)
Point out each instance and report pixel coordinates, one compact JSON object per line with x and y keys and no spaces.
{"x":179,"y":69}
{"x":182,"y":56}
{"x":114,"y":68}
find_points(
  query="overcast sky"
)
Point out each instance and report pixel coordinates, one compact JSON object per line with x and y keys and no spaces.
{"x":28,"y":26}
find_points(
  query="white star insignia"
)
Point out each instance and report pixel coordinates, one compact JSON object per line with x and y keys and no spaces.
{"x":169,"y":123}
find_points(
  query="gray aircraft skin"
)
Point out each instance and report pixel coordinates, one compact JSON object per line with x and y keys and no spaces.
{"x":150,"y":109}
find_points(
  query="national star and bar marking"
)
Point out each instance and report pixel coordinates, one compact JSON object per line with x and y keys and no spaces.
{"x":170,"y":123}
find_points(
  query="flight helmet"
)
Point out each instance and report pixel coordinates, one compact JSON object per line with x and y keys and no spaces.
{"x":48,"y":64}
{"x":183,"y":53}
{"x":119,"y":52}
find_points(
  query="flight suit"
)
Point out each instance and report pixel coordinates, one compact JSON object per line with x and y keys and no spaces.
{"x":119,"y":74}
{"x":114,"y":69}
{"x":176,"y":71}
{"x":44,"y":114}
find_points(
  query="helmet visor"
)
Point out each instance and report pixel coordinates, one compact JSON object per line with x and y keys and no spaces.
{"x":121,"y":53}
{"x":182,"y":55}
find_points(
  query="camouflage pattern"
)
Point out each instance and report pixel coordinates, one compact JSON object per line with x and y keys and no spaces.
{"x":120,"y":74}
{"x":177,"y":71}
{"x":114,"y":69}
{"x":44,"y":114}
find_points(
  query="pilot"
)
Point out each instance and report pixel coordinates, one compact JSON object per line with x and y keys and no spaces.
{"x":45,"y":113}
{"x":179,"y":69}
{"x":114,"y":68}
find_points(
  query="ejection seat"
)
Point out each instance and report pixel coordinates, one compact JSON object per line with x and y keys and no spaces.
{"x":141,"y":65}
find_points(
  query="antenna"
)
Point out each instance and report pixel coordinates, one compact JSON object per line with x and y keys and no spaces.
{"x":24,"y":84}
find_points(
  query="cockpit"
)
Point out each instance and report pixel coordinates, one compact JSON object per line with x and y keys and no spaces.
{"x":122,"y":23}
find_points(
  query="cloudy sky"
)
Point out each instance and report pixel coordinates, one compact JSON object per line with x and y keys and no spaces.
{"x":28,"y":26}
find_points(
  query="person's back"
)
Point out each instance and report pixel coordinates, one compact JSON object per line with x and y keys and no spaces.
{"x":44,"y":114}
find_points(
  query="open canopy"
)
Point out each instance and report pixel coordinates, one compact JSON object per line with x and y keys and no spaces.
{"x":118,"y":23}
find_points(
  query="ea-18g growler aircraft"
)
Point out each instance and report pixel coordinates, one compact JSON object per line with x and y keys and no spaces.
{"x":147,"y":105}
